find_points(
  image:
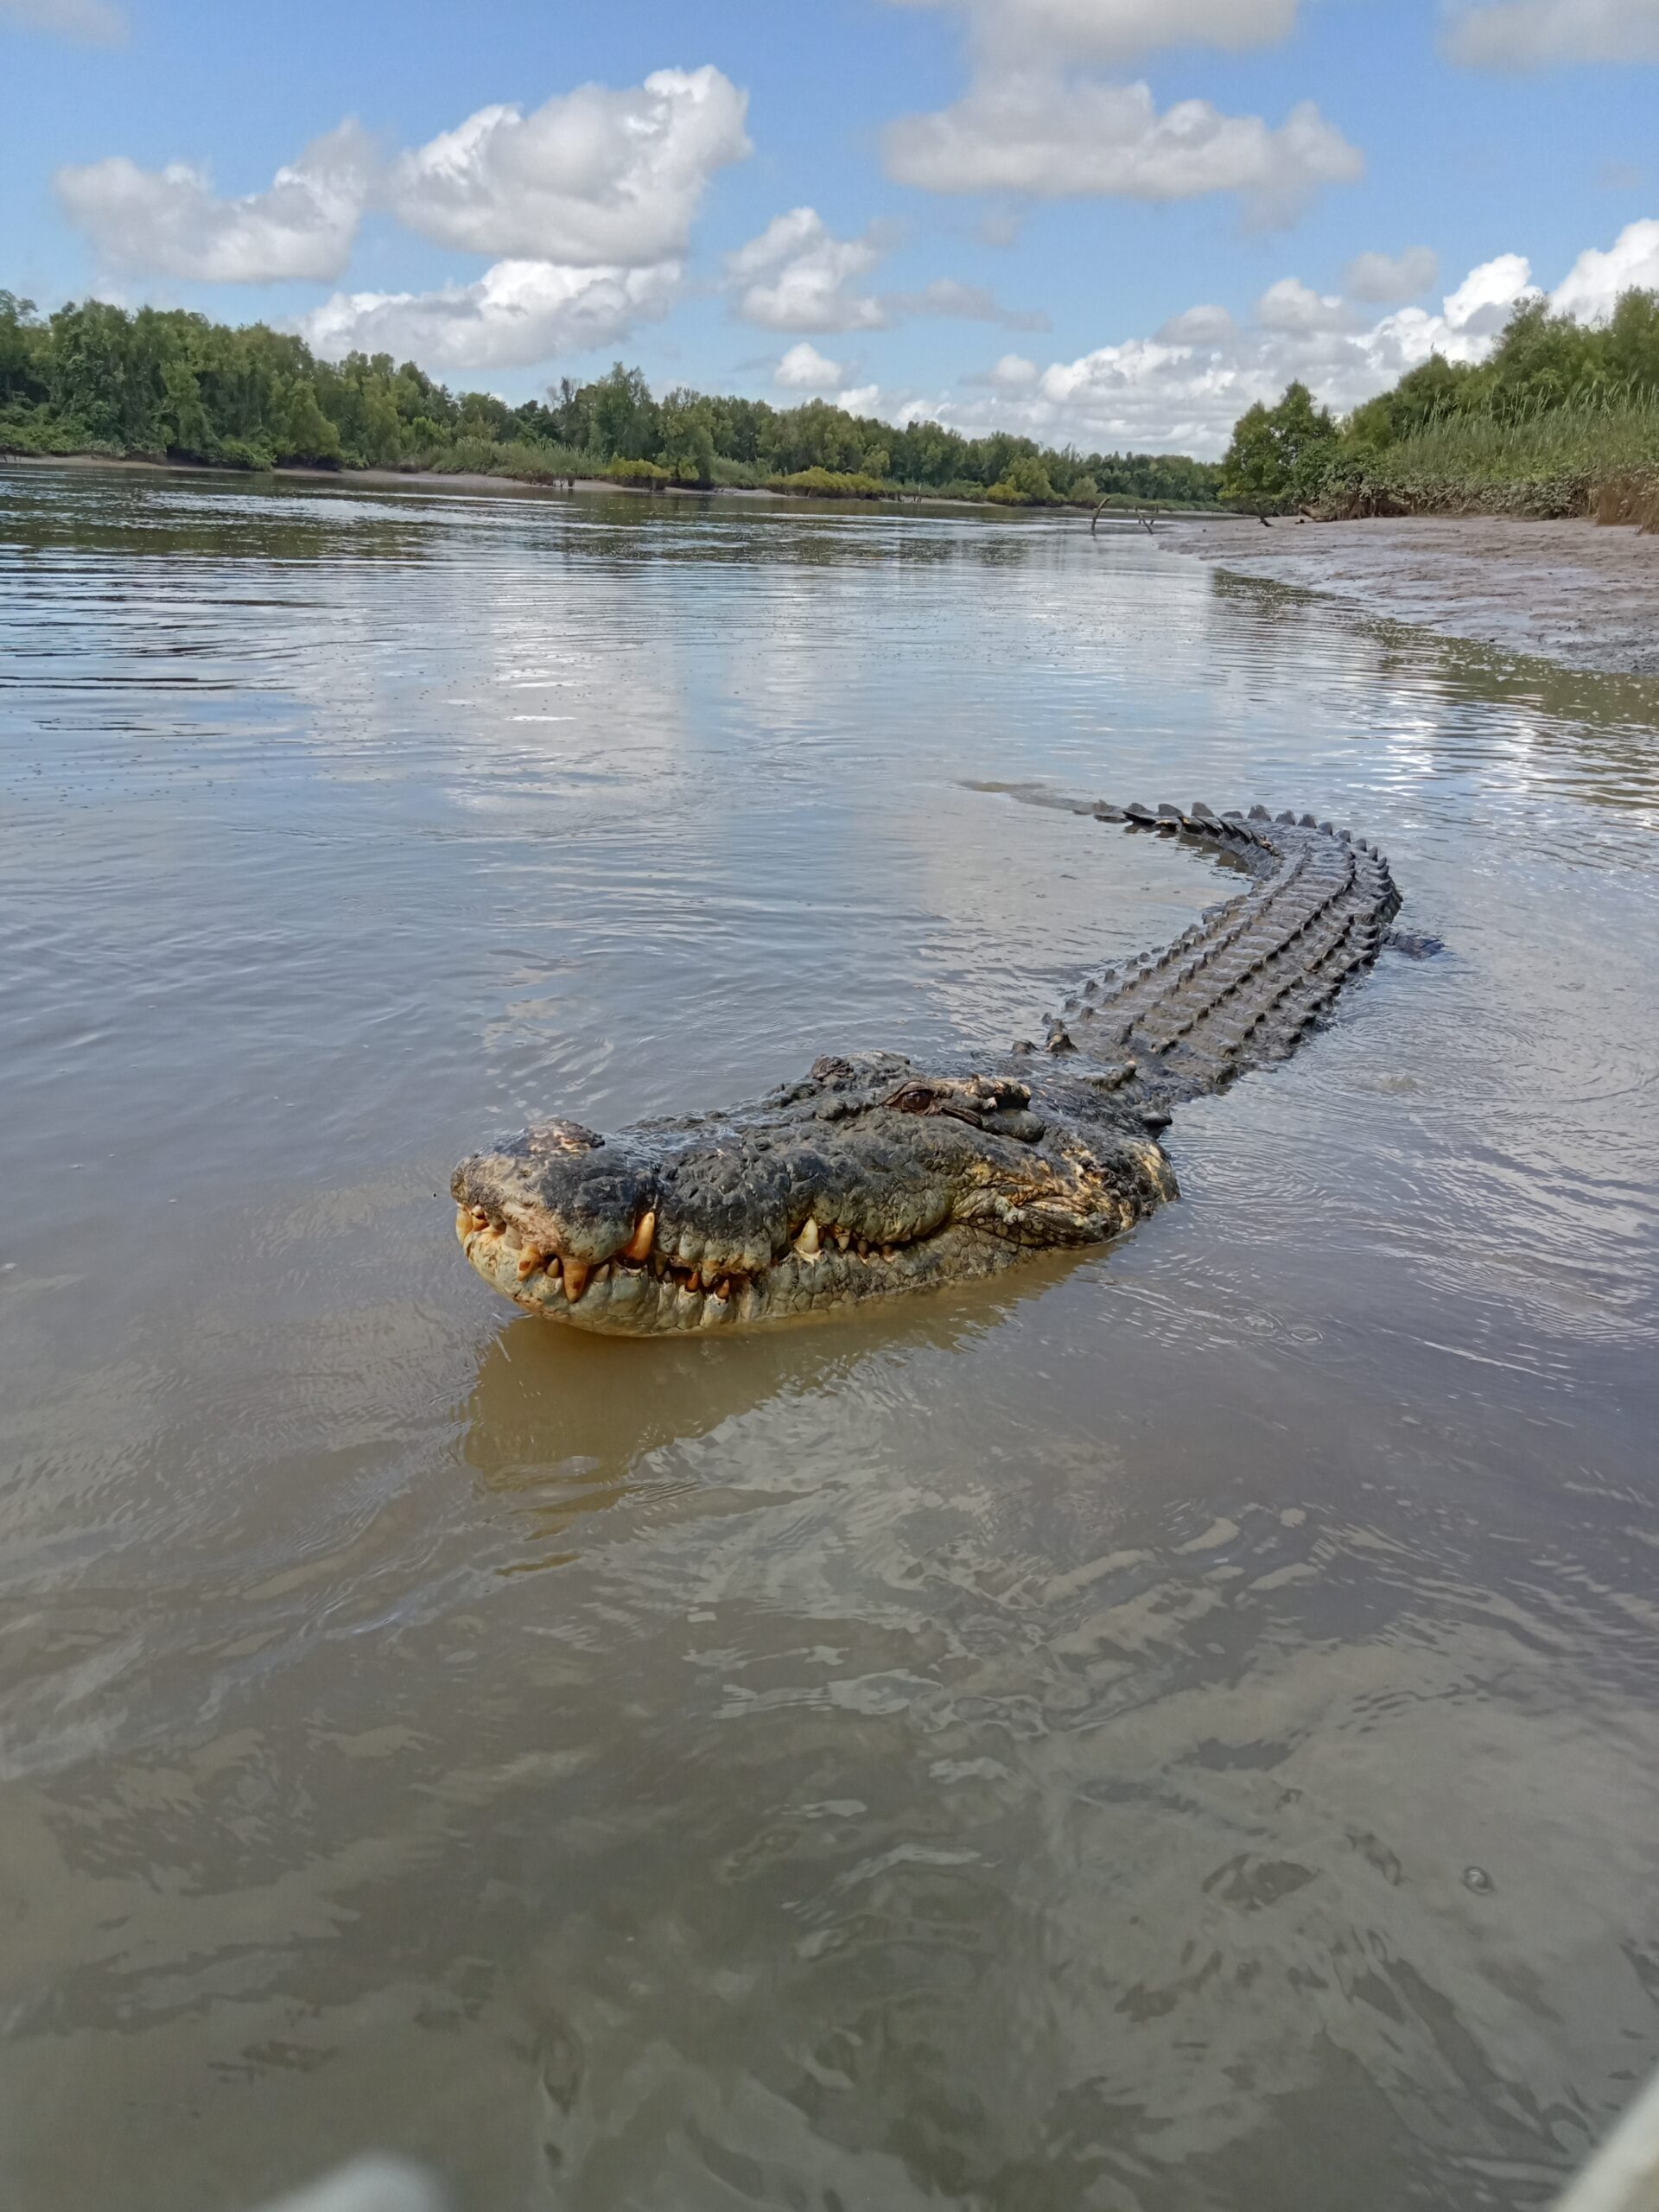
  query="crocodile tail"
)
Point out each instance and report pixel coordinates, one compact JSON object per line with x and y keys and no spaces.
{"x":1243,"y":987}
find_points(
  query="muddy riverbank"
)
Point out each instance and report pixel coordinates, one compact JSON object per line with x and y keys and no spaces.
{"x":1570,"y":592}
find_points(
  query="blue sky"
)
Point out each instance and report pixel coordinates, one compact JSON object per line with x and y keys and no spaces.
{"x":1015,"y":206}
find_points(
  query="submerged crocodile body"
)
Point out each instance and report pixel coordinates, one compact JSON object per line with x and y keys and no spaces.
{"x":873,"y":1176}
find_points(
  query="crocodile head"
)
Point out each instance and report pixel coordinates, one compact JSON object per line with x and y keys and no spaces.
{"x":868,"y":1179}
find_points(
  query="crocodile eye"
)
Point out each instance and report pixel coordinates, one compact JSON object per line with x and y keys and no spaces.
{"x":914,"y":1099}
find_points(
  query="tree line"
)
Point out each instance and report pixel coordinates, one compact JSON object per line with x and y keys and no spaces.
{"x":167,"y":383}
{"x":1569,"y":397}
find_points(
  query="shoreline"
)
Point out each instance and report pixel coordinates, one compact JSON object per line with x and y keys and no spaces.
{"x":467,"y":481}
{"x":1580,"y":594}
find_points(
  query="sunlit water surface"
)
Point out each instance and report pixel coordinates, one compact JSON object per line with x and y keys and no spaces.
{"x":1175,"y":1731}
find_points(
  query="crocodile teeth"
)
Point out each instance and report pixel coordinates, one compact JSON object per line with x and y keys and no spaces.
{"x":576,"y":1272}
{"x":529,"y":1260}
{"x":639,"y":1245}
{"x":807,"y":1242}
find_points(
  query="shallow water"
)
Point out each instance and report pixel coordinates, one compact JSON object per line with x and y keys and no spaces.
{"x":1173,"y":1731}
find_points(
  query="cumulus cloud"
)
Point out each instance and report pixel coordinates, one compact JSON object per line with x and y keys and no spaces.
{"x":89,"y":22}
{"x":169,"y":222}
{"x":1013,"y":373}
{"x":804,"y":369}
{"x":1199,"y":326}
{"x":798,"y":275}
{"x":1115,"y":30}
{"x":966,"y":302}
{"x":1296,"y":310}
{"x":1596,"y":277}
{"x":1533,"y":33}
{"x":1055,"y":139}
{"x":1387,"y":278}
{"x":594,"y":177}
{"x":518,"y":312}
{"x":1183,"y":389}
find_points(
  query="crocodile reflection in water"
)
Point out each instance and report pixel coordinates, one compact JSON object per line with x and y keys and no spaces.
{"x":873,"y":1176}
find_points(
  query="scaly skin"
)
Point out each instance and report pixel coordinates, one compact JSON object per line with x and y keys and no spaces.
{"x":872,"y":1177}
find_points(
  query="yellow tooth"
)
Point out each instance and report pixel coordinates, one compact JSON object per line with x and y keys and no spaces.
{"x":479,"y":1218}
{"x":639,"y":1245}
{"x":576,"y":1272}
{"x":807,"y":1242}
{"x":529,"y":1260}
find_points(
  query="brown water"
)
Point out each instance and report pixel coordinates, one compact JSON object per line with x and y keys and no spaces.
{"x":1175,"y":1731}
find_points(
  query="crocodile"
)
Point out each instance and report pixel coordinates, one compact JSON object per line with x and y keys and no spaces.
{"x":873,"y":1176}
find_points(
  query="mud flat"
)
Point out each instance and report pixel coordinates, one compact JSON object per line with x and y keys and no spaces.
{"x":1573,"y":592}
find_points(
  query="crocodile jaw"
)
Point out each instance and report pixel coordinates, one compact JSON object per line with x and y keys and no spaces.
{"x":629,"y":1300}
{"x":867,"y":1180}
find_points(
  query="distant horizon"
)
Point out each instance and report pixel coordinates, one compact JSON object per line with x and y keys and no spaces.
{"x":1106,"y":224}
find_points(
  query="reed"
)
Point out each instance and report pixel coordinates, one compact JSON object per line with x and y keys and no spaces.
{"x":1598,"y":458}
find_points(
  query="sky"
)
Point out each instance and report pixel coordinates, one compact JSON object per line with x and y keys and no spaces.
{"x":1107,"y":223}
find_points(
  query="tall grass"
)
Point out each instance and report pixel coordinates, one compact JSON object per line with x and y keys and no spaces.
{"x":1600,"y":458}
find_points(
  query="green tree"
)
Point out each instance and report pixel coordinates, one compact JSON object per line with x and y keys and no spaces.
{"x":1024,"y":482}
{"x":623,"y":416}
{"x":1279,"y":454}
{"x":21,"y":350}
{"x":687,"y":438}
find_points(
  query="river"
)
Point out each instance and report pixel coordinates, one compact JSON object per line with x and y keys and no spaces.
{"x":1172,"y":1731}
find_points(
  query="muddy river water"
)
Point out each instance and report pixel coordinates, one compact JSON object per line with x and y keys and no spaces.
{"x":1174,"y":1731}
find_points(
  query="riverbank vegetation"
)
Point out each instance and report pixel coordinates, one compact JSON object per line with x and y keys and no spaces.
{"x":164,"y":385}
{"x":1561,"y":418}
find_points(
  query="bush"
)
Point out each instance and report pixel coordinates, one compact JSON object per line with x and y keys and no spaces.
{"x":830,"y":484}
{"x":648,"y":472}
{"x":37,"y":430}
{"x":242,"y":453}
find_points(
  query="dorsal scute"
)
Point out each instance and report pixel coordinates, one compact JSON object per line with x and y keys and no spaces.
{"x":1240,"y":987}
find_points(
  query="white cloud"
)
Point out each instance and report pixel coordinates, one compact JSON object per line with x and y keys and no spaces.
{"x":862,"y":399}
{"x":1296,"y":309}
{"x":1013,"y":373}
{"x":1480,"y":306}
{"x":170,"y":222}
{"x":1115,"y":30}
{"x":1199,"y":326}
{"x":1183,"y":389}
{"x":965,"y":302}
{"x":804,"y":369}
{"x":518,"y":313}
{"x":798,"y":275}
{"x":1057,"y":139}
{"x":89,"y":22}
{"x":1532,"y":33}
{"x":1387,"y":278}
{"x":1597,"y":278}
{"x":594,"y":176}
